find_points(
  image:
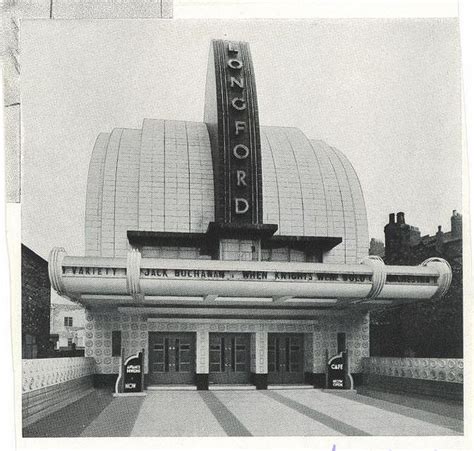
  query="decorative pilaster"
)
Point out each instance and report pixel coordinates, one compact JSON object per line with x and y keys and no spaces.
{"x":261,"y":352}
{"x":202,"y":359}
{"x":261,"y":359}
{"x":202,"y":352}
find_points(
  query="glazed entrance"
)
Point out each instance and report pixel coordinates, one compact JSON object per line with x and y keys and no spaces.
{"x":171,"y":358}
{"x":229,"y":358}
{"x":285,"y":358}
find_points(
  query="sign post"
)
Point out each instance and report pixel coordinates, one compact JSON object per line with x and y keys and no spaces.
{"x":130,"y":381}
{"x":338,"y":376}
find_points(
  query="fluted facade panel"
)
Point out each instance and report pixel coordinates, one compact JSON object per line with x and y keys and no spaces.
{"x":95,"y":181}
{"x":160,"y":178}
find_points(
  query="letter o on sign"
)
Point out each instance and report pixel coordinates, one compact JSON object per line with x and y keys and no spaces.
{"x":241,"y":152}
{"x":234,"y":64}
{"x":239,"y":104}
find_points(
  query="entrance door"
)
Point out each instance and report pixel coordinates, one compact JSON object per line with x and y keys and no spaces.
{"x":285,"y":359}
{"x":229,"y":358}
{"x":171,"y":358}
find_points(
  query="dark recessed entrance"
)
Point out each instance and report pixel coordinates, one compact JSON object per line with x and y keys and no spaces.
{"x":229,"y":358}
{"x":171,"y":358}
{"x":285,"y":358}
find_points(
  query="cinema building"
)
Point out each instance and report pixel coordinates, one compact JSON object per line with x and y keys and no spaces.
{"x":230,"y":252}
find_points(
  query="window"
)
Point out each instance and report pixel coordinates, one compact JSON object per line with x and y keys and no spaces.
{"x":239,"y":250}
{"x":185,"y":252}
{"x":69,"y":342}
{"x":314,"y":256}
{"x":288,"y":254}
{"x":68,"y":321}
{"x":116,"y":343}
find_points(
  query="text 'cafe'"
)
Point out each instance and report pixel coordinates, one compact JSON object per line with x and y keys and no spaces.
{"x":226,"y":252}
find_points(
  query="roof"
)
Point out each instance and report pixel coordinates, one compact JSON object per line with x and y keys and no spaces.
{"x":160,"y":178}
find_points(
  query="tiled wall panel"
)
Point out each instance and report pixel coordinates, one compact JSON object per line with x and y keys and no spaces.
{"x":360,"y":214}
{"x":356,"y":327}
{"x":98,"y":344}
{"x":126,"y":189}
{"x":435,"y":369}
{"x":135,"y":328}
{"x":108,"y":194}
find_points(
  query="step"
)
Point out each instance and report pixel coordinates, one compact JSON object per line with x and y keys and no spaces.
{"x":176,"y":387}
{"x":291,"y":387}
{"x":232,"y":387}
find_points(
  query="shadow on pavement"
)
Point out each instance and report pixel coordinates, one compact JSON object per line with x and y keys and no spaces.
{"x":72,"y":420}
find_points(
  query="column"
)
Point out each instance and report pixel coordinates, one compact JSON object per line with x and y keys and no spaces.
{"x":202,"y":360}
{"x":261,"y":360}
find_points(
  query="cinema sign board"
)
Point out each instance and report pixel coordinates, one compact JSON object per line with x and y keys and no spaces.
{"x":232,"y":119}
{"x":86,"y":276}
{"x":202,"y":274}
{"x":247,"y":281}
{"x":360,"y":277}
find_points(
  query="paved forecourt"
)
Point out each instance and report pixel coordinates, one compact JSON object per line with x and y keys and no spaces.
{"x":218,"y":413}
{"x":269,"y":413}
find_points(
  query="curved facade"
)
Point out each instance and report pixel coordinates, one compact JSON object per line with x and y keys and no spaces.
{"x":160,"y":179}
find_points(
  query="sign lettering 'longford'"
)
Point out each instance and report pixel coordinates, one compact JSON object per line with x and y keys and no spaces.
{"x":232,"y":119}
{"x":239,"y":128}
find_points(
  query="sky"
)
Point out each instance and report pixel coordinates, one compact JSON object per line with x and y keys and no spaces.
{"x":387,"y":93}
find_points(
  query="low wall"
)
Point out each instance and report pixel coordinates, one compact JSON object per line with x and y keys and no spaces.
{"x":50,"y":384}
{"x":433,"y":377}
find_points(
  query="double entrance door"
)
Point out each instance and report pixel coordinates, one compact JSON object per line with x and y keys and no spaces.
{"x":285,"y":358}
{"x":171,"y":358}
{"x":229,"y":358}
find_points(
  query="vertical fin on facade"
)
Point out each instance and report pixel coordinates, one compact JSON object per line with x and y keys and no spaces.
{"x":231,"y":116}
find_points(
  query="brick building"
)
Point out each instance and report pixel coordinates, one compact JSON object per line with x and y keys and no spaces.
{"x":35,"y":304}
{"x":404,"y":244}
{"x":433,"y":328}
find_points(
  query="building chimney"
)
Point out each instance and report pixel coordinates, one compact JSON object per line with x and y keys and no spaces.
{"x":400,"y":218}
{"x":439,"y":240}
{"x":391,"y":218}
{"x":456,"y":225}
